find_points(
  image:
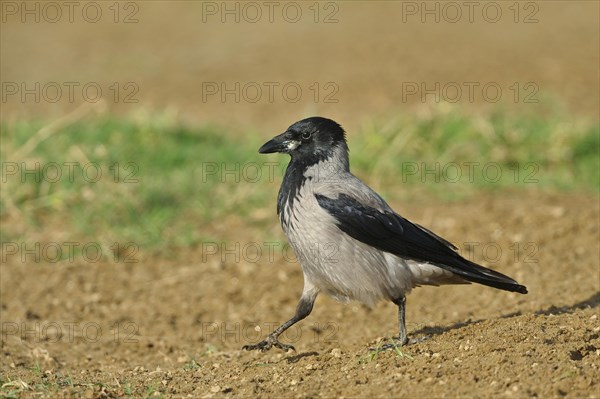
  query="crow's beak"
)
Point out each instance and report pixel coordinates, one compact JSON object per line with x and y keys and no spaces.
{"x":279,"y":143}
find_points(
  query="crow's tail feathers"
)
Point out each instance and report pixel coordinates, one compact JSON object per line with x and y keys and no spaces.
{"x":475,"y":273}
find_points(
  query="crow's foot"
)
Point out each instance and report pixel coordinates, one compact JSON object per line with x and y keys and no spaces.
{"x":267,"y":344}
{"x":396,"y":343}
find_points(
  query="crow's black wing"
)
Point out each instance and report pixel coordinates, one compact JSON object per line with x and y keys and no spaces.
{"x":390,"y":232}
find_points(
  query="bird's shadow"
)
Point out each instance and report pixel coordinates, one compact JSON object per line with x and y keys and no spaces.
{"x":591,"y":302}
{"x":296,"y":358}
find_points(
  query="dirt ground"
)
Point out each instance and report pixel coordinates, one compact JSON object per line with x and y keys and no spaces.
{"x":175,"y":327}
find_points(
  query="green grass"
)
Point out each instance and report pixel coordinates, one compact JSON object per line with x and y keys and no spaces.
{"x":165,"y":186}
{"x":191,"y":364}
{"x":383,"y":347}
{"x":453,"y":154}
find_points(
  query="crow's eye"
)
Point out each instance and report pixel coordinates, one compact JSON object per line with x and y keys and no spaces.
{"x":306,"y":135}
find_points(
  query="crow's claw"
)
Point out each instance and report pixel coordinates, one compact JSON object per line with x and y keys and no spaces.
{"x":267,"y":344}
{"x":398,"y":344}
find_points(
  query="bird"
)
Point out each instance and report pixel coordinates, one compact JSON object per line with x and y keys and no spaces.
{"x":349,"y":242}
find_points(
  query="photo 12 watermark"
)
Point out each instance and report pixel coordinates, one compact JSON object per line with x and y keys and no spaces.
{"x":469,"y":172}
{"x":53,"y":12}
{"x":69,"y":171}
{"x":69,"y":252}
{"x":269,"y":92}
{"x":252,"y":333}
{"x":236,"y":172}
{"x":267,"y":252}
{"x":253,"y":12}
{"x":493,"y":252}
{"x":49,"y":332}
{"x":470,"y":92}
{"x":69,"y":91}
{"x":451,"y":12}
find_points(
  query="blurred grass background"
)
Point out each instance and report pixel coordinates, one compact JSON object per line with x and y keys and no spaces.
{"x":166,"y":186}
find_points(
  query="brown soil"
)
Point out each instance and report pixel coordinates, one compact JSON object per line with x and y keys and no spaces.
{"x":181,"y":322}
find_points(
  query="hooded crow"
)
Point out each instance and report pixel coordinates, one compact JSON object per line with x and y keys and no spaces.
{"x":349,"y":242}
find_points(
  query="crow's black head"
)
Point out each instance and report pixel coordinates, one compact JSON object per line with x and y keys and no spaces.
{"x":313,"y":138}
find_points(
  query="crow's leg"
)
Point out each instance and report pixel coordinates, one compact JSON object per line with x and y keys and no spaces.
{"x":403,"y":337}
{"x":303,"y":309}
